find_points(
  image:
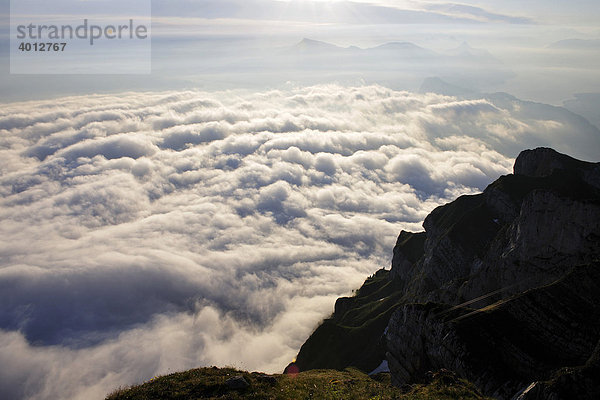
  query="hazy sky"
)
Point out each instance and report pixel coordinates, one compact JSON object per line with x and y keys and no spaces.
{"x":208,"y":44}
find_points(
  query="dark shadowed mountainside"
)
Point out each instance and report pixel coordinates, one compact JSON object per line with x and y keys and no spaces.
{"x":503,"y":288}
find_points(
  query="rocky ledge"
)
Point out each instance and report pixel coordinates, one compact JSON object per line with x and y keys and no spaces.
{"x":503,"y":288}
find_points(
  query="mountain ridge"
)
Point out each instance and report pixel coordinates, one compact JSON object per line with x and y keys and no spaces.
{"x":316,"y":47}
{"x":528,"y":236}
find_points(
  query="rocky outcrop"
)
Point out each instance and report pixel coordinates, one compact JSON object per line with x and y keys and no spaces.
{"x":507,"y":290}
{"x":520,"y":231}
{"x":354,"y":335}
{"x":543,"y":162}
{"x":237,"y":383}
{"x":504,"y":347}
{"x":503,"y":288}
{"x":568,"y":383}
{"x":408,"y":250}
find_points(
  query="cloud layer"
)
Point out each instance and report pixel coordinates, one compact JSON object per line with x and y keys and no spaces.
{"x":151,"y":232}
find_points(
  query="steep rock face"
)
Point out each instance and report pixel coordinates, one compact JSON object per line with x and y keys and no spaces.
{"x":504,"y":347}
{"x":568,"y":383}
{"x":354,"y":335}
{"x":408,"y":250}
{"x":502,"y":288}
{"x":514,"y":236}
{"x":502,"y":252}
{"x":543,"y":162}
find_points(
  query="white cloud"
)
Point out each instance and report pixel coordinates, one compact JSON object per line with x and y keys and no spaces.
{"x":150,"y":232}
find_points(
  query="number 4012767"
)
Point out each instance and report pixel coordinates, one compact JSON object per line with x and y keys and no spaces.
{"x":42,"y":46}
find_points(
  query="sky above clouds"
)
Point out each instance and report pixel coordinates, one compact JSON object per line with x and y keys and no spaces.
{"x":540,"y":12}
{"x":207,"y":44}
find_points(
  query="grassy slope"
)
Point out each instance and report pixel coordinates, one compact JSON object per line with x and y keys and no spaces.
{"x":353,"y":339}
{"x":209,"y":383}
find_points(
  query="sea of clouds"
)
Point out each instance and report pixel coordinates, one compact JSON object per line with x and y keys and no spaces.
{"x":145,"y":233}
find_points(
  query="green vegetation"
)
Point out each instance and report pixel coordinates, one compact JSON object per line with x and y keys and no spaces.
{"x":353,"y":336}
{"x":209,"y":383}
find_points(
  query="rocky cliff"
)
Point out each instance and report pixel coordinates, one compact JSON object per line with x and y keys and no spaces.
{"x":503,"y":288}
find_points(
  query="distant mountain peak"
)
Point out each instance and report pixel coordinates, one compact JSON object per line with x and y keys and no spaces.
{"x":311,"y":44}
{"x":307,"y":44}
{"x":399,"y":45}
{"x":578,"y":44}
{"x":466,"y":50}
{"x":404,"y":49}
{"x":307,"y":41}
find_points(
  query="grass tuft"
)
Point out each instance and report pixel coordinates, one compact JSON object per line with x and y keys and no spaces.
{"x":209,"y":383}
